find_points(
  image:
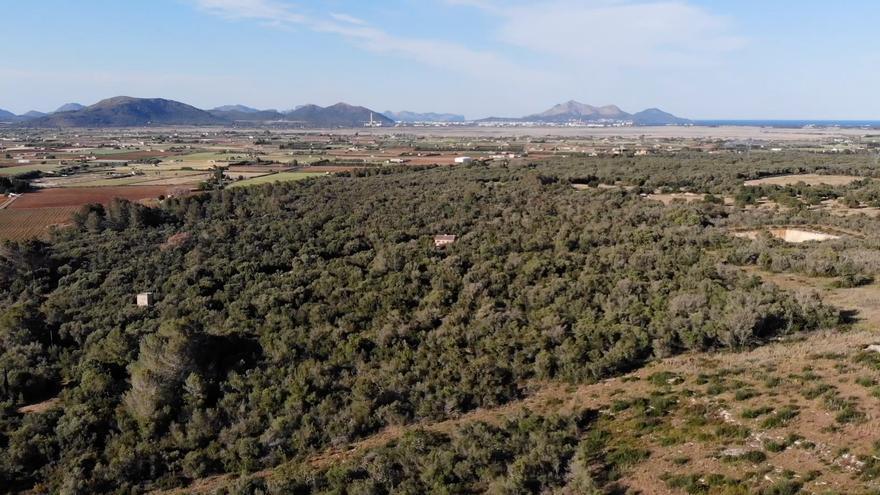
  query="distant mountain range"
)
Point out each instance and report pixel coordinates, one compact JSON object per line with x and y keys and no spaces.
{"x":573,"y":111}
{"x":7,"y":116}
{"x":338,"y":115}
{"x":124,"y":111}
{"x":410,"y":117}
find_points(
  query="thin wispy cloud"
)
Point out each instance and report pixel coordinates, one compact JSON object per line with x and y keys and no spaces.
{"x":266,"y":10}
{"x":429,"y":52}
{"x":347,"y":19}
{"x":614,"y":33}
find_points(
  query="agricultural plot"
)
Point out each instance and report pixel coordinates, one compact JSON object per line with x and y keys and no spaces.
{"x":100,"y":181}
{"x":177,"y":180}
{"x":78,"y":196}
{"x":137,"y":155}
{"x":153,"y":177}
{"x":19,"y":225}
{"x":24,"y":169}
{"x":104,"y":152}
{"x":280,"y":177}
{"x":329,"y":168}
{"x":205,"y":159}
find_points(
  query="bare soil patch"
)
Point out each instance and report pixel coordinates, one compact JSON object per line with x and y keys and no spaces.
{"x":795,"y":236}
{"x":685,"y":197}
{"x":40,"y":407}
{"x":837,"y":208}
{"x":808,"y":179}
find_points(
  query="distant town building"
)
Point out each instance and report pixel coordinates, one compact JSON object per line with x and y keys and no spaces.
{"x":443,"y":240}
{"x":463,"y":159}
{"x":145,"y":299}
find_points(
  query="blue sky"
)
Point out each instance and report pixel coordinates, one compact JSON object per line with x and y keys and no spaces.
{"x":695,"y":58}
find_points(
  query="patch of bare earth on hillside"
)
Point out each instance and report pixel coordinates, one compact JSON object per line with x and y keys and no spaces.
{"x":806,"y":407}
{"x":684,"y":197}
{"x":40,"y":407}
{"x":808,"y":179}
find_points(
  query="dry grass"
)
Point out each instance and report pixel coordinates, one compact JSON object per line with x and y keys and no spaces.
{"x":808,"y":179}
{"x":40,"y":407}
{"x":837,"y":208}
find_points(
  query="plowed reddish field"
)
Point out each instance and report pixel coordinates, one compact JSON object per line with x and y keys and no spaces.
{"x":18,"y":225}
{"x":78,"y":196}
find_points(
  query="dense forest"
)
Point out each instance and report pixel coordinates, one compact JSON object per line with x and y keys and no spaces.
{"x":293,"y":317}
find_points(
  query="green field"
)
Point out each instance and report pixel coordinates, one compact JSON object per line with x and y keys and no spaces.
{"x":280,"y":177}
{"x":108,"y":152}
{"x":31,"y":167}
{"x":207,"y":156}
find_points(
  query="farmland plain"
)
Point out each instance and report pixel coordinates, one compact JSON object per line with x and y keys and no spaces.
{"x":595,"y":325}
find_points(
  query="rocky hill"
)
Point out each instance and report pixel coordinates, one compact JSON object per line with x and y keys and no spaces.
{"x":124,"y":111}
{"x":338,"y":115}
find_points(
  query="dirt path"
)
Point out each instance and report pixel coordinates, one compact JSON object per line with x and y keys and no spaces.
{"x":9,"y":200}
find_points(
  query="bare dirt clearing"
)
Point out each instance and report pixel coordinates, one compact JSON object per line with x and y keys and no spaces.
{"x":808,"y":179}
{"x":685,"y":197}
{"x":40,"y":407}
{"x":837,"y":208}
{"x":795,"y":236}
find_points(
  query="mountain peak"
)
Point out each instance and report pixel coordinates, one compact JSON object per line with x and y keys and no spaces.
{"x":612,"y":110}
{"x":343,"y":106}
{"x":114,"y":100}
{"x":408,"y":116}
{"x":338,"y":115}
{"x":235,"y":108}
{"x":575,"y":110}
{"x":69,"y":107}
{"x":655,"y":116}
{"x":126,"y":111}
